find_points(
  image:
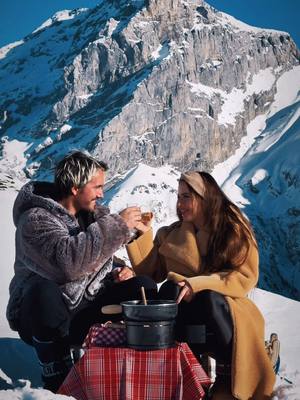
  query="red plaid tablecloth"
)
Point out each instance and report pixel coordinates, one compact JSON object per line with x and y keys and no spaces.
{"x":119,"y":373}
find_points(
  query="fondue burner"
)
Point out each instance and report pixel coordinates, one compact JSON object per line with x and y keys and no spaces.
{"x":151,"y":326}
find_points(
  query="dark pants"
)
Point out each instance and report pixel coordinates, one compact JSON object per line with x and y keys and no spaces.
{"x":45,"y":315}
{"x":208,"y":309}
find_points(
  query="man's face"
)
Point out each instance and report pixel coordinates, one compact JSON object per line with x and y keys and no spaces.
{"x":85,"y":197}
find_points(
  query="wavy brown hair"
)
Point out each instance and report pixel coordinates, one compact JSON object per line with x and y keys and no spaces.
{"x":230,"y":232}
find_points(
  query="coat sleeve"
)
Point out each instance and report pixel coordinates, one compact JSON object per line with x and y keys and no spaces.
{"x":234,"y":283}
{"x":49,"y":245}
{"x":145,"y":258}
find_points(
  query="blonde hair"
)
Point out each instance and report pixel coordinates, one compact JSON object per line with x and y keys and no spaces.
{"x":76,"y":169}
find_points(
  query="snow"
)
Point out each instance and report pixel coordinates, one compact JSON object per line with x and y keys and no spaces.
{"x":155,"y":53}
{"x":64,"y":129}
{"x":59,"y":16}
{"x":281,"y":128}
{"x":7,"y":256}
{"x":111,"y":26}
{"x":259,"y":176}
{"x":5,"y":49}
{"x":287,"y":93}
{"x":84,"y":96}
{"x":282,"y":317}
{"x":162,"y":52}
{"x":233,"y":102}
{"x":30,"y":394}
{"x":288,"y":90}
{"x":199,"y":89}
{"x":13,"y":160}
{"x":47,"y":142}
{"x":222,"y":170}
{"x":154,"y":189}
{"x":226,"y":19}
{"x":217,"y":63}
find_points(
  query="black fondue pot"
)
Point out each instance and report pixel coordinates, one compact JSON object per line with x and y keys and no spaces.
{"x":151,"y":326}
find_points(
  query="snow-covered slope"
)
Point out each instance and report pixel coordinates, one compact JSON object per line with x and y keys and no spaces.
{"x":263,"y":178}
{"x":154,"y":189}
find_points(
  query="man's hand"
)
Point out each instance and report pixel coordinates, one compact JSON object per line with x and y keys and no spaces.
{"x":131,"y":216}
{"x":122,"y":273}
{"x":186,"y":293}
{"x":146,"y":221}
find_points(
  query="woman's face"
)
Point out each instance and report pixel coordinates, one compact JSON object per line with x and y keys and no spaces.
{"x":188,"y":205}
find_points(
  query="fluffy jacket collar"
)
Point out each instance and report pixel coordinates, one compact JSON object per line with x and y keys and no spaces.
{"x":44,"y":195}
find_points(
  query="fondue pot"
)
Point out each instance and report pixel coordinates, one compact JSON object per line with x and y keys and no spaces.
{"x":149,"y":326}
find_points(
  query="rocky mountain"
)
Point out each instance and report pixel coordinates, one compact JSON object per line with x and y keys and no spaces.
{"x":173,"y":84}
{"x":173,"y":81}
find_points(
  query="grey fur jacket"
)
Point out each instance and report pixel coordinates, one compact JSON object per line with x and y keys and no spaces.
{"x":76,"y":253}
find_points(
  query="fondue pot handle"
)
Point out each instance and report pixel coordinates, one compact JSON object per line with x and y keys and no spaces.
{"x":112,"y":309}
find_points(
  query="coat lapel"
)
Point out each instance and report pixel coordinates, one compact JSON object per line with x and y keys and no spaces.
{"x":180,"y":247}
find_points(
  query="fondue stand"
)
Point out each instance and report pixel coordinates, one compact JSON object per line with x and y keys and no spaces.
{"x":146,"y":369}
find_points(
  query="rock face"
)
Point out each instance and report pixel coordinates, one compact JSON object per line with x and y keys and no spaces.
{"x":164,"y":82}
{"x":173,"y":81}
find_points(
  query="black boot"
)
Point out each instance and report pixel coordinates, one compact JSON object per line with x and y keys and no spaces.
{"x":55,"y":360}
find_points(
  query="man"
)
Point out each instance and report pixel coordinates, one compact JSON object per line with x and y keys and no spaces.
{"x":64,"y":273}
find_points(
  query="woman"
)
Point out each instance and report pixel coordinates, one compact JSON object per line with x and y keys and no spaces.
{"x":210,"y":258}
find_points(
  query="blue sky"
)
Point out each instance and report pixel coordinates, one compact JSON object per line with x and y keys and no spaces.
{"x":20,"y":17}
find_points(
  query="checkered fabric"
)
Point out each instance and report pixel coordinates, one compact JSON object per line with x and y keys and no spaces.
{"x":104,"y":336}
{"x":126,"y":374}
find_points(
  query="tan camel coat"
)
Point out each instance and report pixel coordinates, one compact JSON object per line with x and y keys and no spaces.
{"x":175,"y":255}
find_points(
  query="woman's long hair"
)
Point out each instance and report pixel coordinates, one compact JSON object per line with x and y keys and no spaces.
{"x":230,"y":232}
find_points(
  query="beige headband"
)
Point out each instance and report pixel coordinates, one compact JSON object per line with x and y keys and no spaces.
{"x":195,"y":181}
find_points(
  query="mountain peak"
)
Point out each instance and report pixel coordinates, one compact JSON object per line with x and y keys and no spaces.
{"x":181,"y":70}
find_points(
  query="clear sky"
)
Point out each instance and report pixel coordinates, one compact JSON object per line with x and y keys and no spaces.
{"x":283,"y":15}
{"x":20,"y":17}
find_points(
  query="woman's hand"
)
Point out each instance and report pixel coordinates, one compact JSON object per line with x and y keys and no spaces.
{"x":121,"y":274}
{"x":186,"y":293}
{"x":142,"y":227}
